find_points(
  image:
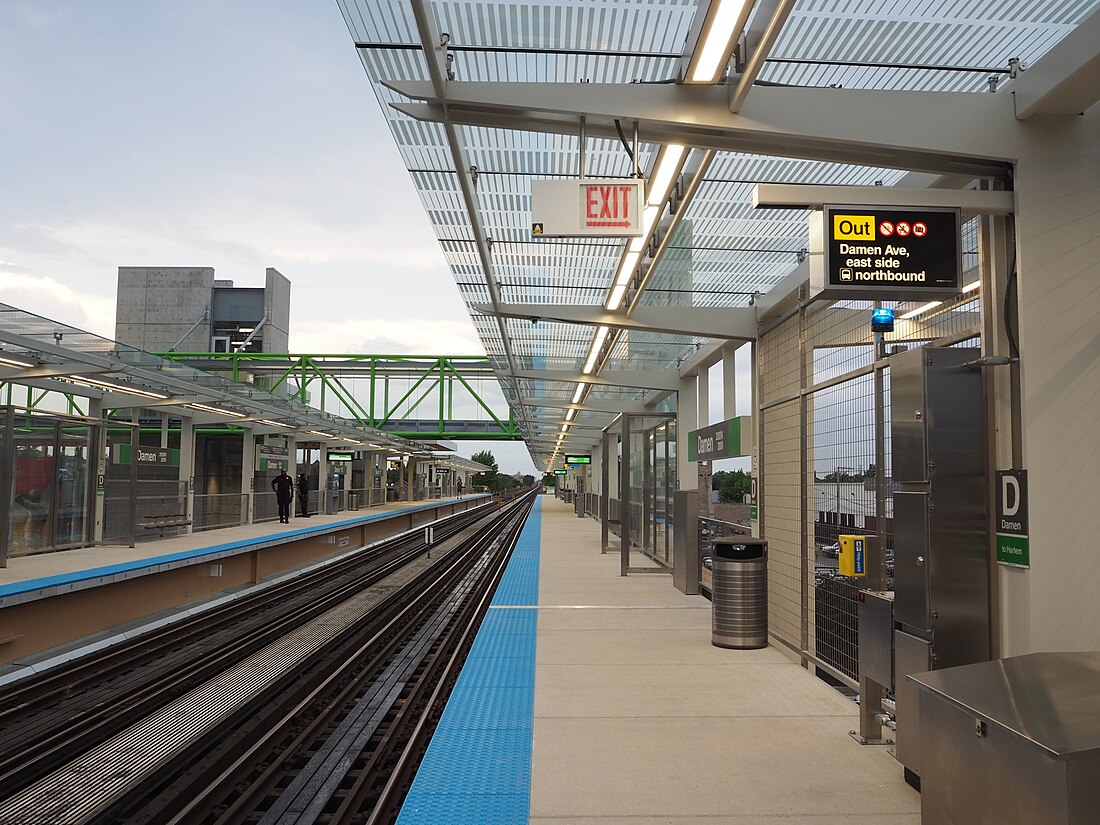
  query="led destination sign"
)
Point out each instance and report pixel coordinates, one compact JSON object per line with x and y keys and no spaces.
{"x":876,"y":252}
{"x":578,"y":459}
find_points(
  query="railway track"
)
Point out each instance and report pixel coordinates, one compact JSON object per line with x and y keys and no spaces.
{"x":322,"y":723}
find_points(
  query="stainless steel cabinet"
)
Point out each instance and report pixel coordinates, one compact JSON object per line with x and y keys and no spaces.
{"x":941,"y":546}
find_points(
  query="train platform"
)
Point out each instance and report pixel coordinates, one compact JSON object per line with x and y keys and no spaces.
{"x":52,"y":601}
{"x":64,"y":567}
{"x":594,"y":699}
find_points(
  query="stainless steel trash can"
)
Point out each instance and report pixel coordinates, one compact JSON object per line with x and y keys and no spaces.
{"x":739,"y":593}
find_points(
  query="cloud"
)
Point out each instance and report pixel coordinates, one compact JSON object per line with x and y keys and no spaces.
{"x":386,"y":336}
{"x":51,"y":299}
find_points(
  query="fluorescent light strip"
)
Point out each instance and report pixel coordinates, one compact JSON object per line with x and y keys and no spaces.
{"x":107,"y":385}
{"x":597,"y":345}
{"x":12,"y":362}
{"x":271,"y":423}
{"x":217,"y":410}
{"x":719,"y":35}
{"x":330,"y":435}
{"x":972,"y":286}
{"x":626,"y":268}
{"x":578,"y":393}
{"x":615,"y":299}
{"x":569,"y":414}
{"x":661,"y":181}
{"x":915,"y":312}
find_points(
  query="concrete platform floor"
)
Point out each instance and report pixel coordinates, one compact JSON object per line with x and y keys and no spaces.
{"x":640,"y":719}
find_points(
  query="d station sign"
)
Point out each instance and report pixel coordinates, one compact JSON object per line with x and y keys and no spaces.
{"x":892,"y":253}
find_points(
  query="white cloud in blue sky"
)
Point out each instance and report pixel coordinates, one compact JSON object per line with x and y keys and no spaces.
{"x":238,"y":135}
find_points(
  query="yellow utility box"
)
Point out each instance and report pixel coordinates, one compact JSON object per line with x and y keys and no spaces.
{"x":853,"y":555}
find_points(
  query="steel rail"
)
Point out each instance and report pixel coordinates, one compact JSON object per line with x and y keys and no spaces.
{"x":40,"y":741}
{"x":203,"y":790}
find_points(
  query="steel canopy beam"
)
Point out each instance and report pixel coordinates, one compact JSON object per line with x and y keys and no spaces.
{"x":643,"y":379}
{"x":704,"y":322}
{"x":1065,"y":80}
{"x":950,"y":132}
{"x":602,"y":406}
{"x":801,"y":196}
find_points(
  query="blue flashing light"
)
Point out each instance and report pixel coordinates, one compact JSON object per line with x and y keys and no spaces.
{"x":882,"y":320}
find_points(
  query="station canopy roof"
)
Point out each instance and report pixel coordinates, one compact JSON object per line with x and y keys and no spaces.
{"x":721,"y":253}
{"x":51,"y":357}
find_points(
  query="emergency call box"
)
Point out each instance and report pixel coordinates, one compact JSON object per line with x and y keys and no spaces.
{"x":852,"y":560}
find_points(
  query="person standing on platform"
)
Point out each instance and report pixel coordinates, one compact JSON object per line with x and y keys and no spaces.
{"x":458,"y":485}
{"x":283,"y":485}
{"x":303,"y":494}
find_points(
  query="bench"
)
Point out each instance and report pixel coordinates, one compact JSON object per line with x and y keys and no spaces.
{"x":164,"y":522}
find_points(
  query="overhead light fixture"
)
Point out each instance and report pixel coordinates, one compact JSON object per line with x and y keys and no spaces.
{"x":664,"y":173}
{"x":216,"y":410}
{"x":722,"y":25}
{"x":271,"y":423}
{"x":12,"y":362}
{"x":597,"y":345}
{"x":615,"y":299}
{"x":919,"y":310}
{"x":578,"y":393}
{"x":569,"y":414}
{"x":111,"y":387}
{"x":972,"y":286}
{"x":325,"y":435}
{"x":626,"y":268}
{"x":564,"y":428}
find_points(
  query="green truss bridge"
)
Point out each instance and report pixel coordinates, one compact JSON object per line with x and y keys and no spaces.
{"x":447,"y":397}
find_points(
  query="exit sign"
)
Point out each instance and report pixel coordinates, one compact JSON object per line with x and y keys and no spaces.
{"x":589,"y":207}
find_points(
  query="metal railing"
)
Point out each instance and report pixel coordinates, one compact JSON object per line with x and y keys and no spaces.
{"x":213,"y":511}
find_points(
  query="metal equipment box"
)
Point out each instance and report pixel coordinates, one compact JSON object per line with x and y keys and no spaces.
{"x":941,"y":529}
{"x":876,"y":637}
{"x":1012,"y":742}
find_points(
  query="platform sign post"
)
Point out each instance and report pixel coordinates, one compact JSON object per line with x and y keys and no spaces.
{"x":888,"y":253}
{"x":1013,"y":543}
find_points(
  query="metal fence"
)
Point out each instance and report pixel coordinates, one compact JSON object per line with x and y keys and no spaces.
{"x":213,"y":511}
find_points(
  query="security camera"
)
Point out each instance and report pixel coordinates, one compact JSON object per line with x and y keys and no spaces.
{"x":535,"y":320}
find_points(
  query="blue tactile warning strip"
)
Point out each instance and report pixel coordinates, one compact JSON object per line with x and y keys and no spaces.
{"x":65,"y":582}
{"x":478,"y":766}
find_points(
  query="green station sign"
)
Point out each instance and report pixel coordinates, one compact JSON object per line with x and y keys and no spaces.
{"x":559,"y":472}
{"x":578,"y":459}
{"x":730,"y":439}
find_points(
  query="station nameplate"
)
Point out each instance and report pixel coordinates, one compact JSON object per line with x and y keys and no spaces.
{"x":885,"y":253}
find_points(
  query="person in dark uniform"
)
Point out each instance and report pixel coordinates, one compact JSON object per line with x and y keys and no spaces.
{"x":283,"y":485}
{"x":303,"y":494}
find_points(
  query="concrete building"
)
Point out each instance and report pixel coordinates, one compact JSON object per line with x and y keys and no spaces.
{"x":187,"y":309}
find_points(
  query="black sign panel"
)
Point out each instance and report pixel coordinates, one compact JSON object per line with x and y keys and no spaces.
{"x":1012,"y":502}
{"x":893,"y":253}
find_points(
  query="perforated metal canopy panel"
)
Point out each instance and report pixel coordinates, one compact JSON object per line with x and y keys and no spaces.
{"x":725,"y":252}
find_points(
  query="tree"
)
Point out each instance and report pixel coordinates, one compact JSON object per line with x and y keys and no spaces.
{"x":528,"y":481}
{"x":492,"y":480}
{"x":733,"y":486}
{"x":485,"y":457}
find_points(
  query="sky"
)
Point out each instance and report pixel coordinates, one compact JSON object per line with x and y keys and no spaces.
{"x":237,"y":135}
